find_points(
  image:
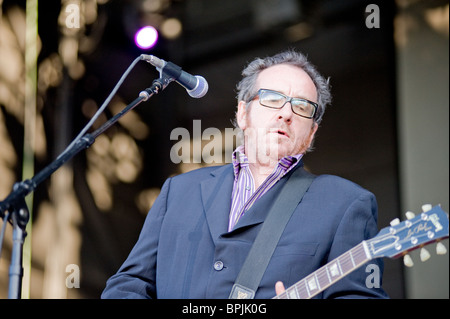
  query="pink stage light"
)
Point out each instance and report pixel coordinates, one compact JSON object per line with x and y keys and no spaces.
{"x":146,"y":37}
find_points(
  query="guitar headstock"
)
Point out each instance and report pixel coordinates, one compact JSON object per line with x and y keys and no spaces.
{"x":416,"y":232}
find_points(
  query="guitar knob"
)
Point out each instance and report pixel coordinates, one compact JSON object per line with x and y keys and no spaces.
{"x":424,"y":254}
{"x":395,"y":222}
{"x":410,"y":215}
{"x":426,"y":207}
{"x":408,"y":261}
{"x":440,"y":249}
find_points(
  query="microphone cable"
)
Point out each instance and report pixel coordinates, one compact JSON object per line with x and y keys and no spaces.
{"x":102,"y":107}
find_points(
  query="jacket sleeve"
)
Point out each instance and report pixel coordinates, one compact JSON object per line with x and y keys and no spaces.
{"x":358,"y":223}
{"x":136,"y":278}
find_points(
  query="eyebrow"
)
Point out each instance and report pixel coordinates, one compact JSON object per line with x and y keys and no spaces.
{"x":296,"y":96}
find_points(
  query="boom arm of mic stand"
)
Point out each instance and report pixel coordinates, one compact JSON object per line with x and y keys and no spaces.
{"x":15,"y":201}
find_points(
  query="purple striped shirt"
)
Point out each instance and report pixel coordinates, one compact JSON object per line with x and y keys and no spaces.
{"x":244,"y":194}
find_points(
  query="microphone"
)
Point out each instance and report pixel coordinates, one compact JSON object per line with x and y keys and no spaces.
{"x":196,"y":86}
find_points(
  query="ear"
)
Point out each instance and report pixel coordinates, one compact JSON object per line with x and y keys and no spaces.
{"x":241,"y":115}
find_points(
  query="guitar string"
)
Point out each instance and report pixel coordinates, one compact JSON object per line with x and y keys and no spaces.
{"x":355,"y":252}
{"x":348,"y":257}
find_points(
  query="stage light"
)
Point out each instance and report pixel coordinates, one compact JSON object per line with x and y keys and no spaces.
{"x":171,"y":28}
{"x":146,"y":37}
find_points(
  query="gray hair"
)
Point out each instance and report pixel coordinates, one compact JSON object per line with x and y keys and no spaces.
{"x":245,"y":88}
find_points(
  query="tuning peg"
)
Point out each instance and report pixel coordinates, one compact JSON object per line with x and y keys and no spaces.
{"x":410,"y":215}
{"x":424,"y":254}
{"x":426,"y":207}
{"x":408,"y":261}
{"x":440,"y":249}
{"x":395,"y":222}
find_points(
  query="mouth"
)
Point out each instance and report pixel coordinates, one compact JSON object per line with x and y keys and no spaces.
{"x":280,"y":132}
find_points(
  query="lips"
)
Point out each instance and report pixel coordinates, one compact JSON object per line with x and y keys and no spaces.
{"x":280,"y":132}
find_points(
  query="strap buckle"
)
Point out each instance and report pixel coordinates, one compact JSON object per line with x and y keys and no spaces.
{"x":241,"y":292}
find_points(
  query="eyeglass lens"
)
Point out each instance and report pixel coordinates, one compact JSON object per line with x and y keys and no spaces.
{"x":277,"y":100}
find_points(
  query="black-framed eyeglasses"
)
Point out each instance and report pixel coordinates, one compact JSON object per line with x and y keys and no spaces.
{"x":276,"y":100}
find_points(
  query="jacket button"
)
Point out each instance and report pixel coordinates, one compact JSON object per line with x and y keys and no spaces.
{"x":218,"y":265}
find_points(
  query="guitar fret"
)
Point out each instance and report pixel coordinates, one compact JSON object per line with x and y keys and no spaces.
{"x":297,"y":291}
{"x":338,"y":262}
{"x":305,"y":286}
{"x":312,"y":284}
{"x":335,"y":270}
{"x":322,"y":277}
{"x":302,"y":290}
{"x":345,"y":263}
{"x":328,"y":274}
{"x":360,"y":256}
{"x":366,"y":250}
{"x":351,"y":258}
{"x":292,"y":293}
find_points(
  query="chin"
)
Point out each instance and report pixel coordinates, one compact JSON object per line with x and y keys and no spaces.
{"x":285,"y":149}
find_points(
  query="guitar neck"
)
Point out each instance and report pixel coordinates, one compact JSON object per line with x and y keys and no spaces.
{"x":392,"y":242}
{"x":328,"y":274}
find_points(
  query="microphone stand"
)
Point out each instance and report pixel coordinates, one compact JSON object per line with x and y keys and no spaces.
{"x":18,"y":214}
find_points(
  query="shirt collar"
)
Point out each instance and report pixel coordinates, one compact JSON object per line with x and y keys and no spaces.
{"x":240,"y":160}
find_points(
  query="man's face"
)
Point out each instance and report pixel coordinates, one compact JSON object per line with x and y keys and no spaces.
{"x":271,"y":134}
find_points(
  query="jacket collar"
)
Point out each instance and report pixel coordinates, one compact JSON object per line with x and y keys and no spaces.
{"x":216,"y":198}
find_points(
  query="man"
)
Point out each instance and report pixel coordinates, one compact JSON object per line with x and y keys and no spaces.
{"x":199,"y":231}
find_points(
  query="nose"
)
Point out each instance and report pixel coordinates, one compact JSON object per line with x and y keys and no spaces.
{"x":285,"y":113}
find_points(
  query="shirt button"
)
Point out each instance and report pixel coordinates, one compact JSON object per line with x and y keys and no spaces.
{"x":218,"y":265}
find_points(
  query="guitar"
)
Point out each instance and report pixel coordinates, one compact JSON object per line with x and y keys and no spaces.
{"x":393,"y":242}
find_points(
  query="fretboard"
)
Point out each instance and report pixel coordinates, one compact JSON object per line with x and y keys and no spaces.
{"x":328,"y":274}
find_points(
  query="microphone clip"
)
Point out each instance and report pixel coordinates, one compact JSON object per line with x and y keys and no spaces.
{"x":157,"y":86}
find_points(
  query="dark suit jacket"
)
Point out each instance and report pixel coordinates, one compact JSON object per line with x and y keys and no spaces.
{"x":185,"y":250}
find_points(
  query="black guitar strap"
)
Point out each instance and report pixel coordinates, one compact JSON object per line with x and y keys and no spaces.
{"x":267,"y":239}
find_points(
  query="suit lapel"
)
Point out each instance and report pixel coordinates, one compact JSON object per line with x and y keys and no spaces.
{"x":216,"y":197}
{"x":258,"y":212}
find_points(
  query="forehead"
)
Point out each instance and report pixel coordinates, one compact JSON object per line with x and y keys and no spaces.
{"x":288,"y":79}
